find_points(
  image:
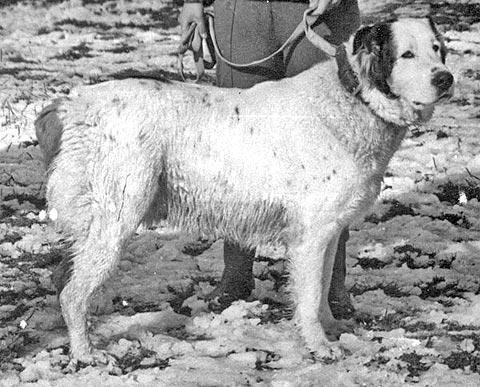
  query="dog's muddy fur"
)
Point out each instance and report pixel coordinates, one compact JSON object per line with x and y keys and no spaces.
{"x":291,"y":162}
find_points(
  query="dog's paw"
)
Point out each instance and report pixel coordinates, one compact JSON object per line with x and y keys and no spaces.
{"x":318,"y":343}
{"x":95,"y":357}
{"x":327,"y":353}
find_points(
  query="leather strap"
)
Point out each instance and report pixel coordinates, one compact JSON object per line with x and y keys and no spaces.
{"x":346,"y":74}
{"x":193,"y":41}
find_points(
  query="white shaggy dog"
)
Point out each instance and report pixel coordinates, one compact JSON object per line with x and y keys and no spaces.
{"x":292,"y":162}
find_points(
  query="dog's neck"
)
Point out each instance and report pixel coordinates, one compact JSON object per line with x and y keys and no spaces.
{"x":387,"y":107}
{"x":376,"y":143}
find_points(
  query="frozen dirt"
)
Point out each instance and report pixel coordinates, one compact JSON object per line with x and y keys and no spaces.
{"x":413,"y":264}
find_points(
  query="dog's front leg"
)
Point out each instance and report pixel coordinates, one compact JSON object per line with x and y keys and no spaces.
{"x":312,"y":264}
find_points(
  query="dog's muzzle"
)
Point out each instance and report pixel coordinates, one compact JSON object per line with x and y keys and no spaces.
{"x":443,"y":81}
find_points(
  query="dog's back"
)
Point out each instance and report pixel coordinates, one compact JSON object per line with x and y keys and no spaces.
{"x":231,"y":173}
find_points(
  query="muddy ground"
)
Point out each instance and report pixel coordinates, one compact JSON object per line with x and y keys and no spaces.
{"x":413,"y":264}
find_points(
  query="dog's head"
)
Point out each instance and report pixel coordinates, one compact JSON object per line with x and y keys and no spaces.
{"x":403,"y":61}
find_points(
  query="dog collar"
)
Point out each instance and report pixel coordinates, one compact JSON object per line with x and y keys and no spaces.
{"x":346,"y":74}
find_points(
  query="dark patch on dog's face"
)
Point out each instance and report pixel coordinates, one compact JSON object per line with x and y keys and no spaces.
{"x":237,"y":113}
{"x":377,"y":41}
{"x":438,"y":36}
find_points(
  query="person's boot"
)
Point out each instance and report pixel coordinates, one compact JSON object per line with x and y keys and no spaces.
{"x":237,"y":280}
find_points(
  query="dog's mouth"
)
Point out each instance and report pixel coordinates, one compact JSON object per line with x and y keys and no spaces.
{"x":420,"y":105}
{"x":423,"y":106}
{"x":417,"y":105}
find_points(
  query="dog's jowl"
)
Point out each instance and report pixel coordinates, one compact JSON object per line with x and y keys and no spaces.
{"x":290,"y":162}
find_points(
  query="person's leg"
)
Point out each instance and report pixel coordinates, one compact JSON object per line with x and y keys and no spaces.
{"x":342,"y":21}
{"x":245,"y":33}
{"x":301,"y":54}
{"x":241,"y":41}
{"x":237,"y":279}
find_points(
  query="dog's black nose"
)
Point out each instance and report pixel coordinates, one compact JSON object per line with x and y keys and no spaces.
{"x":442,"y":80}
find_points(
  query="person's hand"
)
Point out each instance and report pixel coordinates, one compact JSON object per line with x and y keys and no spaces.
{"x":192,"y":13}
{"x":321,"y":6}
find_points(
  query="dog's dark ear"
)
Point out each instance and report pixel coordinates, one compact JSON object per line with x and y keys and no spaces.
{"x":372,"y":38}
{"x":376,"y":41}
{"x":361,"y":39}
{"x":439,"y":37}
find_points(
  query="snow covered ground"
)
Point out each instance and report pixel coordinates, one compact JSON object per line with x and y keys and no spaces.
{"x":413,"y":265}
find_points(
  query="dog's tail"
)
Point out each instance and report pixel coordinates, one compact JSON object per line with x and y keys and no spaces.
{"x":49,"y":128}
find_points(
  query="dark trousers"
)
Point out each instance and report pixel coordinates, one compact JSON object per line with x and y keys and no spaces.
{"x":252,"y":29}
{"x":248,"y":30}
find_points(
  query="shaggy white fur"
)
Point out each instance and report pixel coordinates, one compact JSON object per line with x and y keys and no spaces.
{"x":292,"y":162}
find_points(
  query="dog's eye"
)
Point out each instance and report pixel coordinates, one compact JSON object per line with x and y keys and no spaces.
{"x":408,"y":54}
{"x":436,"y":47}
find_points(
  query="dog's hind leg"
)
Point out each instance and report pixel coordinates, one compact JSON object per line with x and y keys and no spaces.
{"x":94,"y":259}
{"x":311,"y":272}
{"x":100,"y":226}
